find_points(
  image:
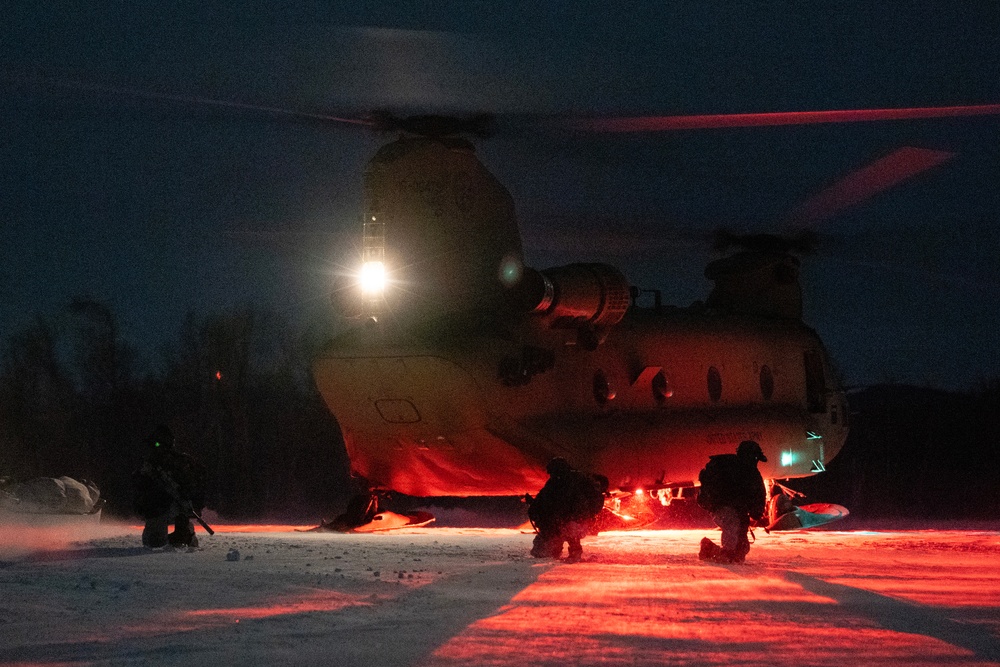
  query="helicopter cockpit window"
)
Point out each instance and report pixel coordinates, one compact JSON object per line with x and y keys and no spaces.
{"x":815,"y":381}
{"x":602,"y":388}
{"x":714,"y":384}
{"x":766,"y":383}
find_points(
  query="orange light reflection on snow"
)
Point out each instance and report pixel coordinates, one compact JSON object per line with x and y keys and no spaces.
{"x":200,"y":619}
{"x":601,"y":614}
{"x":260,"y":528}
{"x":325,"y":601}
{"x":606,"y":584}
{"x":977,"y":588}
{"x":251,"y":528}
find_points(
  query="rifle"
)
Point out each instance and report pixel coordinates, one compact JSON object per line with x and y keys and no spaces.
{"x":528,"y":500}
{"x":171,"y":487}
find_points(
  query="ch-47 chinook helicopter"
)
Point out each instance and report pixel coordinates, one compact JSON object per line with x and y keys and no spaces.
{"x":468,"y":370}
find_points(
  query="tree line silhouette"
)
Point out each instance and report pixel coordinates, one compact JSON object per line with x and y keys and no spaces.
{"x":237,"y":390}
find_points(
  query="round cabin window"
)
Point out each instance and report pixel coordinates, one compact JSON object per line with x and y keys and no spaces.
{"x":661,"y":388}
{"x":602,"y":388}
{"x":714,"y":384}
{"x":766,"y":383}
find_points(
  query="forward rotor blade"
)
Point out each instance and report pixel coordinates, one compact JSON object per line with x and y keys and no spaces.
{"x":864,"y":183}
{"x":717,"y":121}
{"x":192,"y":100}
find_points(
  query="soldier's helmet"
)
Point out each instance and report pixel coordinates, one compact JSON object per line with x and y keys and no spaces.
{"x":161,"y":438}
{"x":749,"y":450}
{"x":558,"y":467}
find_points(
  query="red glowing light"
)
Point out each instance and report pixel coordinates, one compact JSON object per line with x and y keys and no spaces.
{"x":218,"y":375}
{"x":478,"y":463}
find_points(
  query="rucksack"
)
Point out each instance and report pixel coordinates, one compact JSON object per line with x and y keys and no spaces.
{"x":595,"y":498}
{"x":728,"y":482}
{"x":713,"y":478}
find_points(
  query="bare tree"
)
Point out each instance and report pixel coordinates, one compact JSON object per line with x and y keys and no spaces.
{"x":36,"y":400}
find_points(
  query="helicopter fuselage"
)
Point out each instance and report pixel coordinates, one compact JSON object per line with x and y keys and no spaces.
{"x":465,"y":415}
{"x":469,"y":371}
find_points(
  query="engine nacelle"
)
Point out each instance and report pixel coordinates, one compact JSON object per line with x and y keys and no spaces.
{"x":590,"y":296}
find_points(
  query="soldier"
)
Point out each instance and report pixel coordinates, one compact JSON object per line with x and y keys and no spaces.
{"x":733,"y":491}
{"x":169,"y":489}
{"x":564,"y":511}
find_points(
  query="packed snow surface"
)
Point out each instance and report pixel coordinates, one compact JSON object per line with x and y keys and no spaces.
{"x":252,"y":595}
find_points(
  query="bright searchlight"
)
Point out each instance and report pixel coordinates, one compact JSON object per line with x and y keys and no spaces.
{"x":373,"y":278}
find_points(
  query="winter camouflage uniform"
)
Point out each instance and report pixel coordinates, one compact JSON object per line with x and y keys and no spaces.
{"x":732,"y":490}
{"x":154,"y":501}
{"x":564,"y":511}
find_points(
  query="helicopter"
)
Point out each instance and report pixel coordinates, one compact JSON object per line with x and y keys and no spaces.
{"x":467,"y":371}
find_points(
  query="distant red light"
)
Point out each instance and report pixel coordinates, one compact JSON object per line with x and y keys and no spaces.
{"x":218,"y":375}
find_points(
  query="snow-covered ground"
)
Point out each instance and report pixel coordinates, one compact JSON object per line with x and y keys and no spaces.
{"x":465,"y":596}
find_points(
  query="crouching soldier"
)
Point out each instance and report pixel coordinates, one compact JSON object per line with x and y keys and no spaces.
{"x":169,"y":489}
{"x":732,"y":490}
{"x":564,"y":511}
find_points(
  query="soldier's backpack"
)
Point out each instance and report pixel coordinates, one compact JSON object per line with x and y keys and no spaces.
{"x":595,"y":498}
{"x":713,"y":477}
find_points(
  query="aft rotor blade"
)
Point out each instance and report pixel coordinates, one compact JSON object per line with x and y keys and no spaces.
{"x":718,"y":121}
{"x":866,"y":182}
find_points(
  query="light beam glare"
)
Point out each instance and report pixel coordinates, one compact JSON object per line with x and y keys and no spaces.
{"x":372,"y":278}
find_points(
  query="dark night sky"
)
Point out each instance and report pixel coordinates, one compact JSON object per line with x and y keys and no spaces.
{"x":157,"y":208}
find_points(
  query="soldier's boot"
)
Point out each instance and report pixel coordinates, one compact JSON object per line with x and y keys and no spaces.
{"x":538,"y":549}
{"x":727,"y":556}
{"x":709,"y":549}
{"x":575,"y":553}
{"x":153,"y":543}
{"x":182,"y":538}
{"x":545,"y":546}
